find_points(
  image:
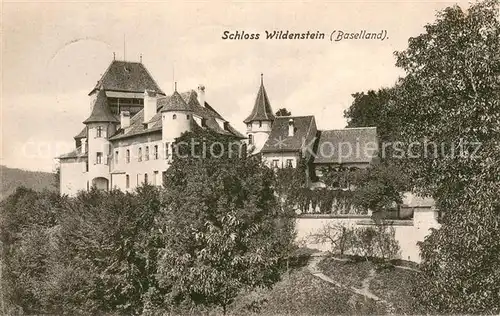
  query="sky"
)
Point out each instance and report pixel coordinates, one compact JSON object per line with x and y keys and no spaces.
{"x":53,"y":53}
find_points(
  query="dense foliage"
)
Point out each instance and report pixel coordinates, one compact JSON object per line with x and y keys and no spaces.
{"x":283,"y":112}
{"x":223,"y":227}
{"x":450,"y":100}
{"x":215,"y":230}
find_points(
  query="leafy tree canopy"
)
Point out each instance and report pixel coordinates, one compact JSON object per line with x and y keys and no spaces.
{"x":450,"y":100}
{"x":283,"y":112}
{"x":223,"y":228}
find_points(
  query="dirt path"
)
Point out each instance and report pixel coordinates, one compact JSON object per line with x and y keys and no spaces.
{"x":363,"y":291}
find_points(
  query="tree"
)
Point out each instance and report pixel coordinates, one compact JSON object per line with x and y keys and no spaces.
{"x":283,"y":112}
{"x":371,"y":109}
{"x":379,"y":188}
{"x":449,"y":101}
{"x":222,"y":226}
{"x":93,"y":254}
{"x":107,"y":252}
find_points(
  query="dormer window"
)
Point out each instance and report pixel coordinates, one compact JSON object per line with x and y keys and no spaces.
{"x":249,"y":125}
{"x":226,"y":126}
{"x":99,"y":131}
{"x":203,"y":122}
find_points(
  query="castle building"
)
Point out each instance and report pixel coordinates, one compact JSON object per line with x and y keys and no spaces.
{"x":284,"y":141}
{"x":127,"y":138}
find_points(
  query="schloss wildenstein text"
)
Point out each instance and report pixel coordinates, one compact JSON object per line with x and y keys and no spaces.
{"x":336,"y":35}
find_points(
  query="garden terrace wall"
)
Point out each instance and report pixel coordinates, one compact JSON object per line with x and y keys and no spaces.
{"x":407,"y":232}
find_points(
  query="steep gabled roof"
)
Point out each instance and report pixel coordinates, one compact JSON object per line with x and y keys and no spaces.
{"x":127,"y":76}
{"x":279,"y":141}
{"x":82,"y":134}
{"x":176,"y":103}
{"x":262,"y":110}
{"x":348,"y":145}
{"x":155,"y":124}
{"x":100,"y":110}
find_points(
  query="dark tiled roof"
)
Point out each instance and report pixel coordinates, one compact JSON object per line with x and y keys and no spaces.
{"x":74,"y":154}
{"x":190,"y":98}
{"x":82,"y":134}
{"x":175,"y":103}
{"x":100,"y":110}
{"x":349,"y":145}
{"x":127,"y":76}
{"x":279,"y":141}
{"x":262,"y":109}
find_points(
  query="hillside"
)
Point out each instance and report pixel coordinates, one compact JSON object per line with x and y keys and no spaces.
{"x":11,"y":178}
{"x":333,"y":286}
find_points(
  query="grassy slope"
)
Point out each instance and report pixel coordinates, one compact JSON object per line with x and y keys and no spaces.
{"x":11,"y":178}
{"x":304,"y":294}
{"x":391,"y":284}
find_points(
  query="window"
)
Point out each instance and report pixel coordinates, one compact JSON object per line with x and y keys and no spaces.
{"x":139,"y":154}
{"x":260,"y":123}
{"x":155,"y":152}
{"x":86,"y":166}
{"x":127,"y":157}
{"x":155,"y":178}
{"x":275,"y":163}
{"x":167,"y":145}
{"x":289,"y":163}
{"x":249,"y":125}
{"x":145,"y":178}
{"x":98,"y":158}
{"x":174,"y":117}
{"x":203,"y":122}
{"x":99,"y":131}
{"x":146,"y":155}
{"x":187,"y":117}
{"x":116,"y":156}
{"x":127,"y":181}
{"x":250,"y":139}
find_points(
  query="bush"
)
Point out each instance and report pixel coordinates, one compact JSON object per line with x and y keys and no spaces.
{"x":378,"y":241}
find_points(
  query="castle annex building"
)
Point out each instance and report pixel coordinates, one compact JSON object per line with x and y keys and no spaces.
{"x":127,"y":138}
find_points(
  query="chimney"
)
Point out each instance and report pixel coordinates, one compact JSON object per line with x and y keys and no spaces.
{"x":149,"y":105}
{"x":201,"y":95}
{"x":291,"y":127}
{"x":124,"y":119}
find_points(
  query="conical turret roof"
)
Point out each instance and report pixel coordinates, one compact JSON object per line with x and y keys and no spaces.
{"x":176,"y":103}
{"x":101,"y":111}
{"x":262,"y":110}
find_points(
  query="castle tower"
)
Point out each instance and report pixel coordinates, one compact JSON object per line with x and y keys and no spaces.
{"x":176,"y":116}
{"x":259,"y":122}
{"x":100,"y":125}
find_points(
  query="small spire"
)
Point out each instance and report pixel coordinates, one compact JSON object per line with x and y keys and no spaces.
{"x":261,"y":78}
{"x":175,"y":86}
{"x":114,"y":56}
{"x":140,"y":58}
